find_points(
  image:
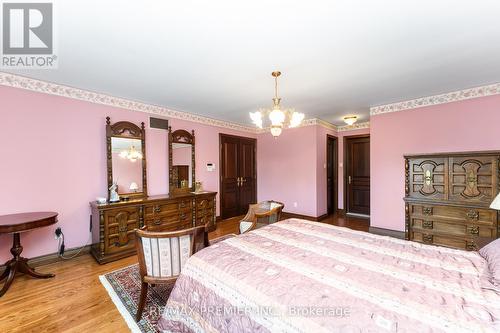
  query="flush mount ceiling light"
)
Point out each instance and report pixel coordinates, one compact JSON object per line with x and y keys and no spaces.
{"x":277,"y":116}
{"x":350,"y":120}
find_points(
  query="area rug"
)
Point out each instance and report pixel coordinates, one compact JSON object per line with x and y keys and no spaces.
{"x":124,"y":288}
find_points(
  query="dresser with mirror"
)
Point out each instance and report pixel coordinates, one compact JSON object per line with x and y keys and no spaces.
{"x":185,"y":205}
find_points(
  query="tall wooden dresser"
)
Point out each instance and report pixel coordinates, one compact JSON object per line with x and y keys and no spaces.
{"x":113,"y":224}
{"x":447,"y":198}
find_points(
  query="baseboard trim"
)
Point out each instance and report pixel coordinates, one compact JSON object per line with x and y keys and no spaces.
{"x":54,"y":257}
{"x":341,"y":212}
{"x":387,"y":232}
{"x":287,"y":215}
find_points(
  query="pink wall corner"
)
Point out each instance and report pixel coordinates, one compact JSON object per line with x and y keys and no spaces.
{"x":286,"y":169}
{"x":470,"y":125}
{"x":57,"y":161}
{"x":341,"y":136}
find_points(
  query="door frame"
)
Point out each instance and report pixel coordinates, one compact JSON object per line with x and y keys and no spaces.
{"x":346,"y":167}
{"x":221,"y":135}
{"x":335,"y":173}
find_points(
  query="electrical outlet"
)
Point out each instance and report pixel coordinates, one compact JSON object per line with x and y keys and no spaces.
{"x":295,"y":204}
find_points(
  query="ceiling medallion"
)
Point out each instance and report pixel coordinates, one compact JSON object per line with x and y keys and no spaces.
{"x":277,"y":115}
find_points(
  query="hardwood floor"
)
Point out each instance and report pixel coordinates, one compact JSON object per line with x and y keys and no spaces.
{"x":75,"y":300}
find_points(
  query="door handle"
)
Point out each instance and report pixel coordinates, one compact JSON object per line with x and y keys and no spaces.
{"x":238,"y":181}
{"x":349,"y":179}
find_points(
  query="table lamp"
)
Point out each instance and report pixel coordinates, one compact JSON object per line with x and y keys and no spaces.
{"x":134,"y":187}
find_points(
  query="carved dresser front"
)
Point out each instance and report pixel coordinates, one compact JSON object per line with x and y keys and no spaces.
{"x":113,"y":224}
{"x":448,"y":197}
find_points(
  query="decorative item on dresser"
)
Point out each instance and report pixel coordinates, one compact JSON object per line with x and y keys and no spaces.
{"x":114,"y":223}
{"x":447,"y":198}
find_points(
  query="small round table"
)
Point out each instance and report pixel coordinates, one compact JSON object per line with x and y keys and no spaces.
{"x":15,"y":224}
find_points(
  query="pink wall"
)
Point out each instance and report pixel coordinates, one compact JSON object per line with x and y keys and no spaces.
{"x":454,"y":127}
{"x":55,"y":159}
{"x":292,"y":169}
{"x":286,"y":169}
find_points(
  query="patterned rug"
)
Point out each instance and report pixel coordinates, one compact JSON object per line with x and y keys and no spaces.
{"x":124,"y":288}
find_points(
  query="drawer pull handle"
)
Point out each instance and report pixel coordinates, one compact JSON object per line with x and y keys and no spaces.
{"x":183,"y":216}
{"x":428,"y":225}
{"x":427,"y":210}
{"x":123,"y":229}
{"x":182,"y":204}
{"x":157,"y":222}
{"x":474,"y":230}
{"x":471,"y":246}
{"x":473,"y":214}
{"x":157,"y":209}
{"x":427,"y":238}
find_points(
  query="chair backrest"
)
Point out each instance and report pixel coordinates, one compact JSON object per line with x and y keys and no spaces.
{"x":163,"y":254}
{"x":271,"y":216}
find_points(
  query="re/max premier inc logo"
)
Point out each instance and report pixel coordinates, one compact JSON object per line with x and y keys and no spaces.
{"x":28,"y":35}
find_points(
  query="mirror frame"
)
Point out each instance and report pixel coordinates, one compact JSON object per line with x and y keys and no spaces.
{"x":180,"y":136}
{"x":118,"y":130}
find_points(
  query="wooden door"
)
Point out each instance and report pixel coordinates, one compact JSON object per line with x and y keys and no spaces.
{"x":247,"y":174}
{"x":357,"y":154}
{"x":238,"y":184}
{"x":331,"y":174}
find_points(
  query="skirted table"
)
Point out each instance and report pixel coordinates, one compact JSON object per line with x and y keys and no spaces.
{"x":15,"y":224}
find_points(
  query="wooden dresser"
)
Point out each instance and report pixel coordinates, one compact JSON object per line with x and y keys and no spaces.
{"x":113,"y":224}
{"x":447,"y":198}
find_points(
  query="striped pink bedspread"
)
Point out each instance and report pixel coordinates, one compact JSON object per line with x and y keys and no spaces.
{"x":301,"y":276}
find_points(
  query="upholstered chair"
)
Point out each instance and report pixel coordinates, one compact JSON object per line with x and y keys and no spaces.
{"x":261,"y":214}
{"x":162,"y":256}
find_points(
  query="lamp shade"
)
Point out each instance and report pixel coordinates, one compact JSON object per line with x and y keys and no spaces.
{"x":134,"y":186}
{"x":496,"y":203}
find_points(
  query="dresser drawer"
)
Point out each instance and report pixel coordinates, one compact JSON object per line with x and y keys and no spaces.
{"x":170,"y":222}
{"x":451,"y":228}
{"x":168,"y":208}
{"x":441,"y":240}
{"x":479,"y":216}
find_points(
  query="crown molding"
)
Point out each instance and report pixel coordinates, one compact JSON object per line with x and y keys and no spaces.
{"x":22,"y":82}
{"x":354,"y":127}
{"x":455,"y":96}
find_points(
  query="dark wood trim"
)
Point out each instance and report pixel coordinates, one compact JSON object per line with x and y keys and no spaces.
{"x":346,"y":167}
{"x":387,"y":232}
{"x":54,"y":257}
{"x":335,"y":173}
{"x":221,"y":135}
{"x":341,"y":212}
{"x":287,"y":215}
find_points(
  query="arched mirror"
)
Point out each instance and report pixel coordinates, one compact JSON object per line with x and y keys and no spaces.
{"x":181,"y":161}
{"x":126,"y":159}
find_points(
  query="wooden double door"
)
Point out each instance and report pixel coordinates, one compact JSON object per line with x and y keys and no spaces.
{"x":357,"y":168}
{"x":238,"y":174}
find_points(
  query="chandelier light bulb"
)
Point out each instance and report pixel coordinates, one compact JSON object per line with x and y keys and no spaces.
{"x":276,"y":115}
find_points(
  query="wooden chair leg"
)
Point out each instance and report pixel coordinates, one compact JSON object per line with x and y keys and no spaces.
{"x":142,"y":301}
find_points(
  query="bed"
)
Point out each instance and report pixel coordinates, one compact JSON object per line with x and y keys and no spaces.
{"x":302,"y":276}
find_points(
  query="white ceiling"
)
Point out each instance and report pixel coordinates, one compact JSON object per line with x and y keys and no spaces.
{"x":214,"y":58}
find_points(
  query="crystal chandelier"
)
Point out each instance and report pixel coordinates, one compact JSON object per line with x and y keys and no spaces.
{"x":131,"y":154}
{"x":277,"y":116}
